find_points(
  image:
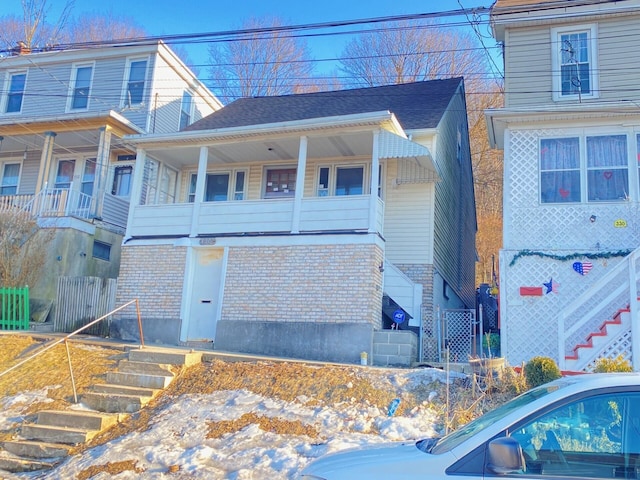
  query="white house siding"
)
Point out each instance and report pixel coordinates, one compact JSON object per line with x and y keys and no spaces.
{"x":528,"y":61}
{"x":550,"y":230}
{"x":408,"y":220}
{"x":166,"y":98}
{"x":527,"y":55}
{"x":50,"y":82}
{"x":106,"y":88}
{"x":28,"y":172}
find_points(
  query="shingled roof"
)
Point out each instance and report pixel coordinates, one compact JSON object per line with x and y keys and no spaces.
{"x":415,"y":105}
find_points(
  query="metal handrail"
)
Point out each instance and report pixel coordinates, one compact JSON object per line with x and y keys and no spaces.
{"x":75,"y":332}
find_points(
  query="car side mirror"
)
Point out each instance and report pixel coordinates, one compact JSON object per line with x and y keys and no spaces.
{"x":505,"y":456}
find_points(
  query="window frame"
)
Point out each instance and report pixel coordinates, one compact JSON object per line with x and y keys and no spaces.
{"x":183,"y":113}
{"x":73,"y":86}
{"x":11,"y":74}
{"x":3,"y":166}
{"x":332,"y":179}
{"x":232,"y":186}
{"x":126,"y":100}
{"x":584,"y":168}
{"x":556,"y":60}
{"x":103,"y":247}
{"x":276,"y":194}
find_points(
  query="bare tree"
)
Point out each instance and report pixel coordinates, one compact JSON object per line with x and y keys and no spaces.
{"x":91,"y":27}
{"x":33,"y":29}
{"x":23,"y":248}
{"x":263,"y":62}
{"x":411,"y":51}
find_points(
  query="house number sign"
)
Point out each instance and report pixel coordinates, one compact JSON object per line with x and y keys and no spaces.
{"x":620,"y":223}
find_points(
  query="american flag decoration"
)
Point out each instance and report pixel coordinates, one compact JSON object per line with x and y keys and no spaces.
{"x":582,"y":267}
{"x":551,"y":286}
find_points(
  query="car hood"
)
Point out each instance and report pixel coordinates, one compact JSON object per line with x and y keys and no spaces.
{"x":385,"y":461}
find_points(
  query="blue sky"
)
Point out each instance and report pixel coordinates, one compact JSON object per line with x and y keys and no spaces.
{"x":164,"y":17}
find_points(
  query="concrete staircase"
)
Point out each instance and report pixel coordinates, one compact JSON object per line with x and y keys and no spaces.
{"x":139,"y":378}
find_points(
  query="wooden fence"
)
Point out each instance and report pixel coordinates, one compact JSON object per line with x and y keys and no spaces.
{"x":14,"y":308}
{"x":81,"y":300}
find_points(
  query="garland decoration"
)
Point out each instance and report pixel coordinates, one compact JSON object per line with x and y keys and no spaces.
{"x":566,"y":258}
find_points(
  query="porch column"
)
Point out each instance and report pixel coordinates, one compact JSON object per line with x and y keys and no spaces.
{"x":297,"y":201}
{"x":200,"y":185}
{"x":102,"y":168}
{"x":375,"y":178}
{"x":136,"y":187}
{"x":45,"y":160}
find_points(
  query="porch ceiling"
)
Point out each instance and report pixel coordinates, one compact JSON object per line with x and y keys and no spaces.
{"x":266,"y":149}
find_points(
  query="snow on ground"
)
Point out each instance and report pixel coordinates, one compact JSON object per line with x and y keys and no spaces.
{"x":178,"y":435}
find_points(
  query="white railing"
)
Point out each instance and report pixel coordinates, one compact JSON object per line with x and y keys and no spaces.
{"x":616,"y":290}
{"x":60,"y":202}
{"x":254,"y":216}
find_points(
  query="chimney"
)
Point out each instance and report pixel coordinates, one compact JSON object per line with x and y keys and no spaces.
{"x":22,"y":48}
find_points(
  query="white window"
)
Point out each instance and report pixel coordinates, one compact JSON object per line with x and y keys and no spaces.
{"x":15,"y":85}
{"x":220,"y":186}
{"x":186,"y":109}
{"x":122,"y":181}
{"x":594,"y":168}
{"x":80,"y":87}
{"x":135,"y":82}
{"x":10,"y":179}
{"x":575,"y":63}
{"x":88,"y":176}
{"x":340,"y":180}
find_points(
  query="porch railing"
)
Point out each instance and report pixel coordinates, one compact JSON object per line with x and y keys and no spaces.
{"x":61,"y":202}
{"x":615,"y":290}
{"x":14,"y":308}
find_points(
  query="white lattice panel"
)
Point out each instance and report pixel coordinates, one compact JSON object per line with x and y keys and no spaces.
{"x":531,"y":225}
{"x":620,"y":347}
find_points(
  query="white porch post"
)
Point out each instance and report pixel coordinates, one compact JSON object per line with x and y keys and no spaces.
{"x":200,"y":185}
{"x":633,"y":312}
{"x":297,"y":201}
{"x":102,"y":168}
{"x":375,"y":179}
{"x":45,"y":160}
{"x":136,"y":187}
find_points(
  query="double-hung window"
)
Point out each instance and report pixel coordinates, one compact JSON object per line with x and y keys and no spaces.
{"x":340,"y":180}
{"x":220,"y":186}
{"x":186,"y":108}
{"x":81,"y":87}
{"x":591,"y":168}
{"x":137,"y":73}
{"x":10,"y":179}
{"x":575,"y":63}
{"x":16,"y":83}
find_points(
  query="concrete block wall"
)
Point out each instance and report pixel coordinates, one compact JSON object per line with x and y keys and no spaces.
{"x":305,"y":283}
{"x":395,"y":348}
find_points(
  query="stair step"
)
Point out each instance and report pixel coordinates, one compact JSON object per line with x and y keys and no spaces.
{"x":31,"y":449}
{"x":13,"y":464}
{"x":76,"y":419}
{"x":139,"y":380}
{"x":114,"y":403}
{"x":130,"y":366}
{"x":47,"y":433}
{"x":124,"y":390}
{"x":165,"y":356}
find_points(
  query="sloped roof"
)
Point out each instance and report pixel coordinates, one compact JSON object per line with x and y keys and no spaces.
{"x":416,"y":105}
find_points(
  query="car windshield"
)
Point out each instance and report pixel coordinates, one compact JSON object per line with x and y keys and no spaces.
{"x":458,"y":436}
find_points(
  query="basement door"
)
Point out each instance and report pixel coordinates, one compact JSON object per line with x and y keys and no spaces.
{"x":205,"y":294}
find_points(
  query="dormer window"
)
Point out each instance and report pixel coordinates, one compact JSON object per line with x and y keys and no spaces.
{"x":574,"y":60}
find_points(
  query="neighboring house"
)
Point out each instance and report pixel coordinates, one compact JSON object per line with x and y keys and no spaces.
{"x":570,"y":130}
{"x":62,"y":118}
{"x":298,"y":225}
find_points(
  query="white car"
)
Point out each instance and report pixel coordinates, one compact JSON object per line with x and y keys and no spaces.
{"x":585,"y":426}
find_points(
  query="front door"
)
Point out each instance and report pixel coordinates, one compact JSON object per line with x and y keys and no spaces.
{"x":205,"y":294}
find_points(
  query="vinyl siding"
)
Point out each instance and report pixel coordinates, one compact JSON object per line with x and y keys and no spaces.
{"x":408,"y":216}
{"x":529,"y":69}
